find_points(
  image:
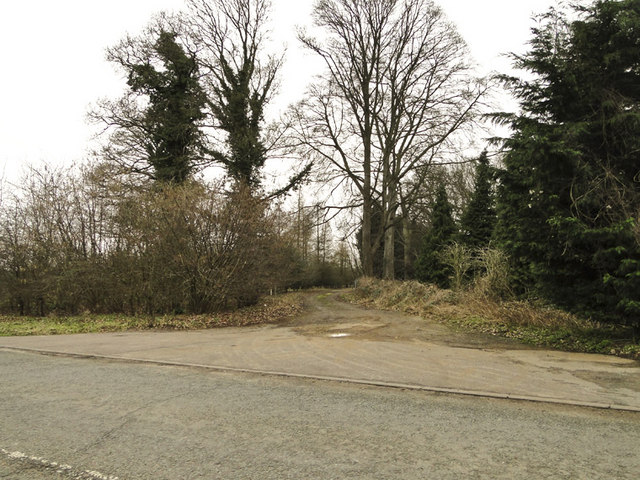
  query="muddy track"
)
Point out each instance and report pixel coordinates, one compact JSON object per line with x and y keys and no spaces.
{"x":327,"y":314}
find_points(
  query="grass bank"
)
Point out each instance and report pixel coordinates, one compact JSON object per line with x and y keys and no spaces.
{"x":271,"y":309}
{"x":469,"y":311}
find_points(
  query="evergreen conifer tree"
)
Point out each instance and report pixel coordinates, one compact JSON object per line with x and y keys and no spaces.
{"x":568,"y":199}
{"x":479,"y":217}
{"x":429,"y":266}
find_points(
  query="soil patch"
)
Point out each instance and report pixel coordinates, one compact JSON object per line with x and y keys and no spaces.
{"x":327,"y":315}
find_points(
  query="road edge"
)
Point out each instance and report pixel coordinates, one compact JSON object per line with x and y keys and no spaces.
{"x":355,"y":381}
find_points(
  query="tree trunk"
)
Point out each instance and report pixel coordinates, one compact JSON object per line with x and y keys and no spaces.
{"x":406,"y":238}
{"x":389,"y":207}
{"x":388,"y":259}
{"x":367,"y":202}
{"x":367,"y":254}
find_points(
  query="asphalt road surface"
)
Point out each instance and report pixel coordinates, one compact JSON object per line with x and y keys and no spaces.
{"x":65,"y":418}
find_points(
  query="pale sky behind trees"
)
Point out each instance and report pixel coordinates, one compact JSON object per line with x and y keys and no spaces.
{"x":54,"y":67}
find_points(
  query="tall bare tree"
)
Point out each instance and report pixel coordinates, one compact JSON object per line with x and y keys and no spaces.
{"x":337,"y":121}
{"x":397,"y":91}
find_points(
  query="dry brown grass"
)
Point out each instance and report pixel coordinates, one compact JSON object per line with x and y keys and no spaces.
{"x":475,"y":310}
{"x":520,"y":313}
{"x":411,"y":296}
{"x":428,"y":300}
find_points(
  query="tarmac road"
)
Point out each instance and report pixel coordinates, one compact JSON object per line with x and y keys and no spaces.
{"x":105,"y":420}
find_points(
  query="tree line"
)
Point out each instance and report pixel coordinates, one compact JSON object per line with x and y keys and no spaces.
{"x":386,"y":125}
{"x":569,"y":193}
{"x":74,"y":240}
{"x":562,"y":203}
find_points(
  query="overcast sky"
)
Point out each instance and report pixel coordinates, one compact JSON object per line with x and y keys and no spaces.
{"x":53,"y":65}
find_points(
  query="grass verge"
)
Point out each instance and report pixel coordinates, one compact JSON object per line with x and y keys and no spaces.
{"x":469,"y":311}
{"x":268,"y":310}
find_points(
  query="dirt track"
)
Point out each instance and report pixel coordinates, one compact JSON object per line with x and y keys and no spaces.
{"x":327,"y":314}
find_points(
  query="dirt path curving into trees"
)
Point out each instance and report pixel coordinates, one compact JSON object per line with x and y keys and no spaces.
{"x":327,"y":314}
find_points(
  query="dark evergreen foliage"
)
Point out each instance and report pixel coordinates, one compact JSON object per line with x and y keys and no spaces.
{"x":176,"y":101}
{"x":239,"y":111}
{"x":429,"y":266}
{"x":479,"y":217}
{"x":569,"y":196}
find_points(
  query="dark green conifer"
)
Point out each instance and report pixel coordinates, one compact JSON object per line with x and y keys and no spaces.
{"x":429,"y":266}
{"x":568,"y":196}
{"x":479,"y":217}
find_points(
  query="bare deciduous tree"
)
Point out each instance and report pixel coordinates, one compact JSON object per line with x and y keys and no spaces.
{"x":398,"y":90}
{"x":68,"y":244}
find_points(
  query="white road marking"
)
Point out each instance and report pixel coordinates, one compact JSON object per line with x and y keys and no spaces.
{"x":59,"y":468}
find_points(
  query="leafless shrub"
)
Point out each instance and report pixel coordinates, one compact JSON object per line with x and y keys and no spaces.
{"x":493,"y":280}
{"x":72,"y":241}
{"x":460,"y":258}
